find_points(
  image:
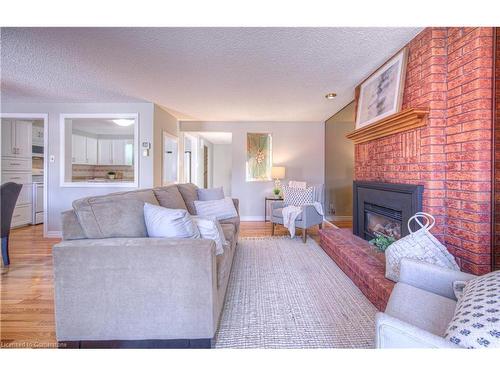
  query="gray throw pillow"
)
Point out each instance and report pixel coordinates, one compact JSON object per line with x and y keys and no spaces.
{"x":170,"y":197}
{"x":211,"y":194}
{"x":189,"y":193}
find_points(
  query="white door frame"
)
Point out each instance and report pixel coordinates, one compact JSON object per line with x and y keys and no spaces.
{"x":45,"y":118}
{"x":175,"y":138}
{"x":194,"y":157}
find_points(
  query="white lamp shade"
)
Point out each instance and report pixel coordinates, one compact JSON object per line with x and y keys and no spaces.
{"x":278,"y":172}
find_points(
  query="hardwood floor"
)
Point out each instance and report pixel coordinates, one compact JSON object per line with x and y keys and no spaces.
{"x":27,"y":309}
{"x":27,"y":295}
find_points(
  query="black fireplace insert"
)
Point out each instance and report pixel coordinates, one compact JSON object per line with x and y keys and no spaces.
{"x":384,"y":209}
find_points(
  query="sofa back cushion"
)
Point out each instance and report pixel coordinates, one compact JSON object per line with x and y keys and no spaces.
{"x":114,"y":215}
{"x":71,"y":228}
{"x":189,"y":193}
{"x":170,"y":197}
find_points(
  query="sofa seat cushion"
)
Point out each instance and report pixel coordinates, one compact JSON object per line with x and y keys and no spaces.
{"x":428,"y":311}
{"x":114,"y":215}
{"x":278,"y":212}
{"x":170,"y":197}
{"x":189,"y":193}
{"x":71,"y":228}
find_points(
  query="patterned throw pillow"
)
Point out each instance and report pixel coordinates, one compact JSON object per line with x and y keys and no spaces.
{"x":297,"y":197}
{"x":476,"y":323}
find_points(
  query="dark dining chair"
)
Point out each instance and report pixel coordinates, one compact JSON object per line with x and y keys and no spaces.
{"x":9,"y":193}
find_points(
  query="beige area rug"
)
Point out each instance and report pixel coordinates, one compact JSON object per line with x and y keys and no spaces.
{"x":283,"y":293}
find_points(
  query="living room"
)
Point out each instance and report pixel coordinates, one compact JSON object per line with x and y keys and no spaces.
{"x":238,"y":194}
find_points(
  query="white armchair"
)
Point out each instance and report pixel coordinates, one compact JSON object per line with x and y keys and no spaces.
{"x":420,"y":308}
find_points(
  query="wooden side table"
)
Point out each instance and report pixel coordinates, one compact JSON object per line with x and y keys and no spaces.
{"x":271,"y":198}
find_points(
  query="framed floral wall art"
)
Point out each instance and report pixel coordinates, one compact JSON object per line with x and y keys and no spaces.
{"x":259,"y":157}
{"x":381,"y":94}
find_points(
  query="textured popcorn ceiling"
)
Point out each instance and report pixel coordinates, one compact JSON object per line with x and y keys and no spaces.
{"x":225,"y":74}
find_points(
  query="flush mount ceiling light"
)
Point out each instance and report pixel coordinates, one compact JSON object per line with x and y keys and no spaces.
{"x":123,"y":122}
{"x":330,"y":95}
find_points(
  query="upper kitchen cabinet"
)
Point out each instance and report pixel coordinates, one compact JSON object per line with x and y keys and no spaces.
{"x":16,"y":138}
{"x":79,"y":149}
{"x":37,"y":135}
{"x":91,"y":146}
{"x":104,"y":151}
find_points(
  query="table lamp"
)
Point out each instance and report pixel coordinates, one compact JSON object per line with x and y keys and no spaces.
{"x":277,"y":173}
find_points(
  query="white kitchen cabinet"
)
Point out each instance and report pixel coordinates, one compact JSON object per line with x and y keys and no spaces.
{"x":22,"y":215}
{"x":104,"y":152}
{"x":23,"y":138}
{"x":37,"y":135}
{"x":91,"y":144}
{"x":78,"y":149}
{"x":119,"y":151}
{"x":8,"y":138}
{"x":16,"y":138}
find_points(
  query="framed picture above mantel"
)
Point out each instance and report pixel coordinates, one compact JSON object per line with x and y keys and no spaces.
{"x":381,"y":94}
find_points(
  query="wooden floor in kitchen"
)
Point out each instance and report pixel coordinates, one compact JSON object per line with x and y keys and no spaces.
{"x":27,"y":294}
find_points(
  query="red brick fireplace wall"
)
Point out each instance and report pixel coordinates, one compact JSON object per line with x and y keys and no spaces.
{"x":496,"y":249}
{"x":449,"y":71}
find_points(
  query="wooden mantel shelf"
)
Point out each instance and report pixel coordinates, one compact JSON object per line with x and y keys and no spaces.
{"x":399,"y":122}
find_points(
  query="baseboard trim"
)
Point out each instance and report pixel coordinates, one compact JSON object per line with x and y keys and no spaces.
{"x":251,"y":218}
{"x":54,"y":234}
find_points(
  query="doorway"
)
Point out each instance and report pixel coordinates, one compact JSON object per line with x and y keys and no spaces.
{"x":27,"y":133}
{"x":170,"y":160}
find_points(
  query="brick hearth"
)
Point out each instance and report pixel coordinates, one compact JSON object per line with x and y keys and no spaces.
{"x":360,"y":261}
{"x":450,"y":71}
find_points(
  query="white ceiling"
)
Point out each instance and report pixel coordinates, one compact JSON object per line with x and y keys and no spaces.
{"x":217,"y":138}
{"x":101,"y":126}
{"x":224,"y":74}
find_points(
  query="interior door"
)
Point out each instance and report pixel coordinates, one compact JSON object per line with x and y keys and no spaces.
{"x":170,"y":159}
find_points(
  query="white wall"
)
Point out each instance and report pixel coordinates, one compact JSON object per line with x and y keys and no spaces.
{"x":163,"y":121}
{"x":59,"y":198}
{"x":299,"y":146}
{"x":222,"y":167}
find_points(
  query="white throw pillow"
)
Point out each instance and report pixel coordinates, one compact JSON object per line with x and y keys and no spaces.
{"x":297,"y":197}
{"x":476,"y":323}
{"x":220,"y":209}
{"x":211,"y":229}
{"x":169,"y":223}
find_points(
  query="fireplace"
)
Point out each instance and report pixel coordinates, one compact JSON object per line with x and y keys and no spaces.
{"x":384,"y":209}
